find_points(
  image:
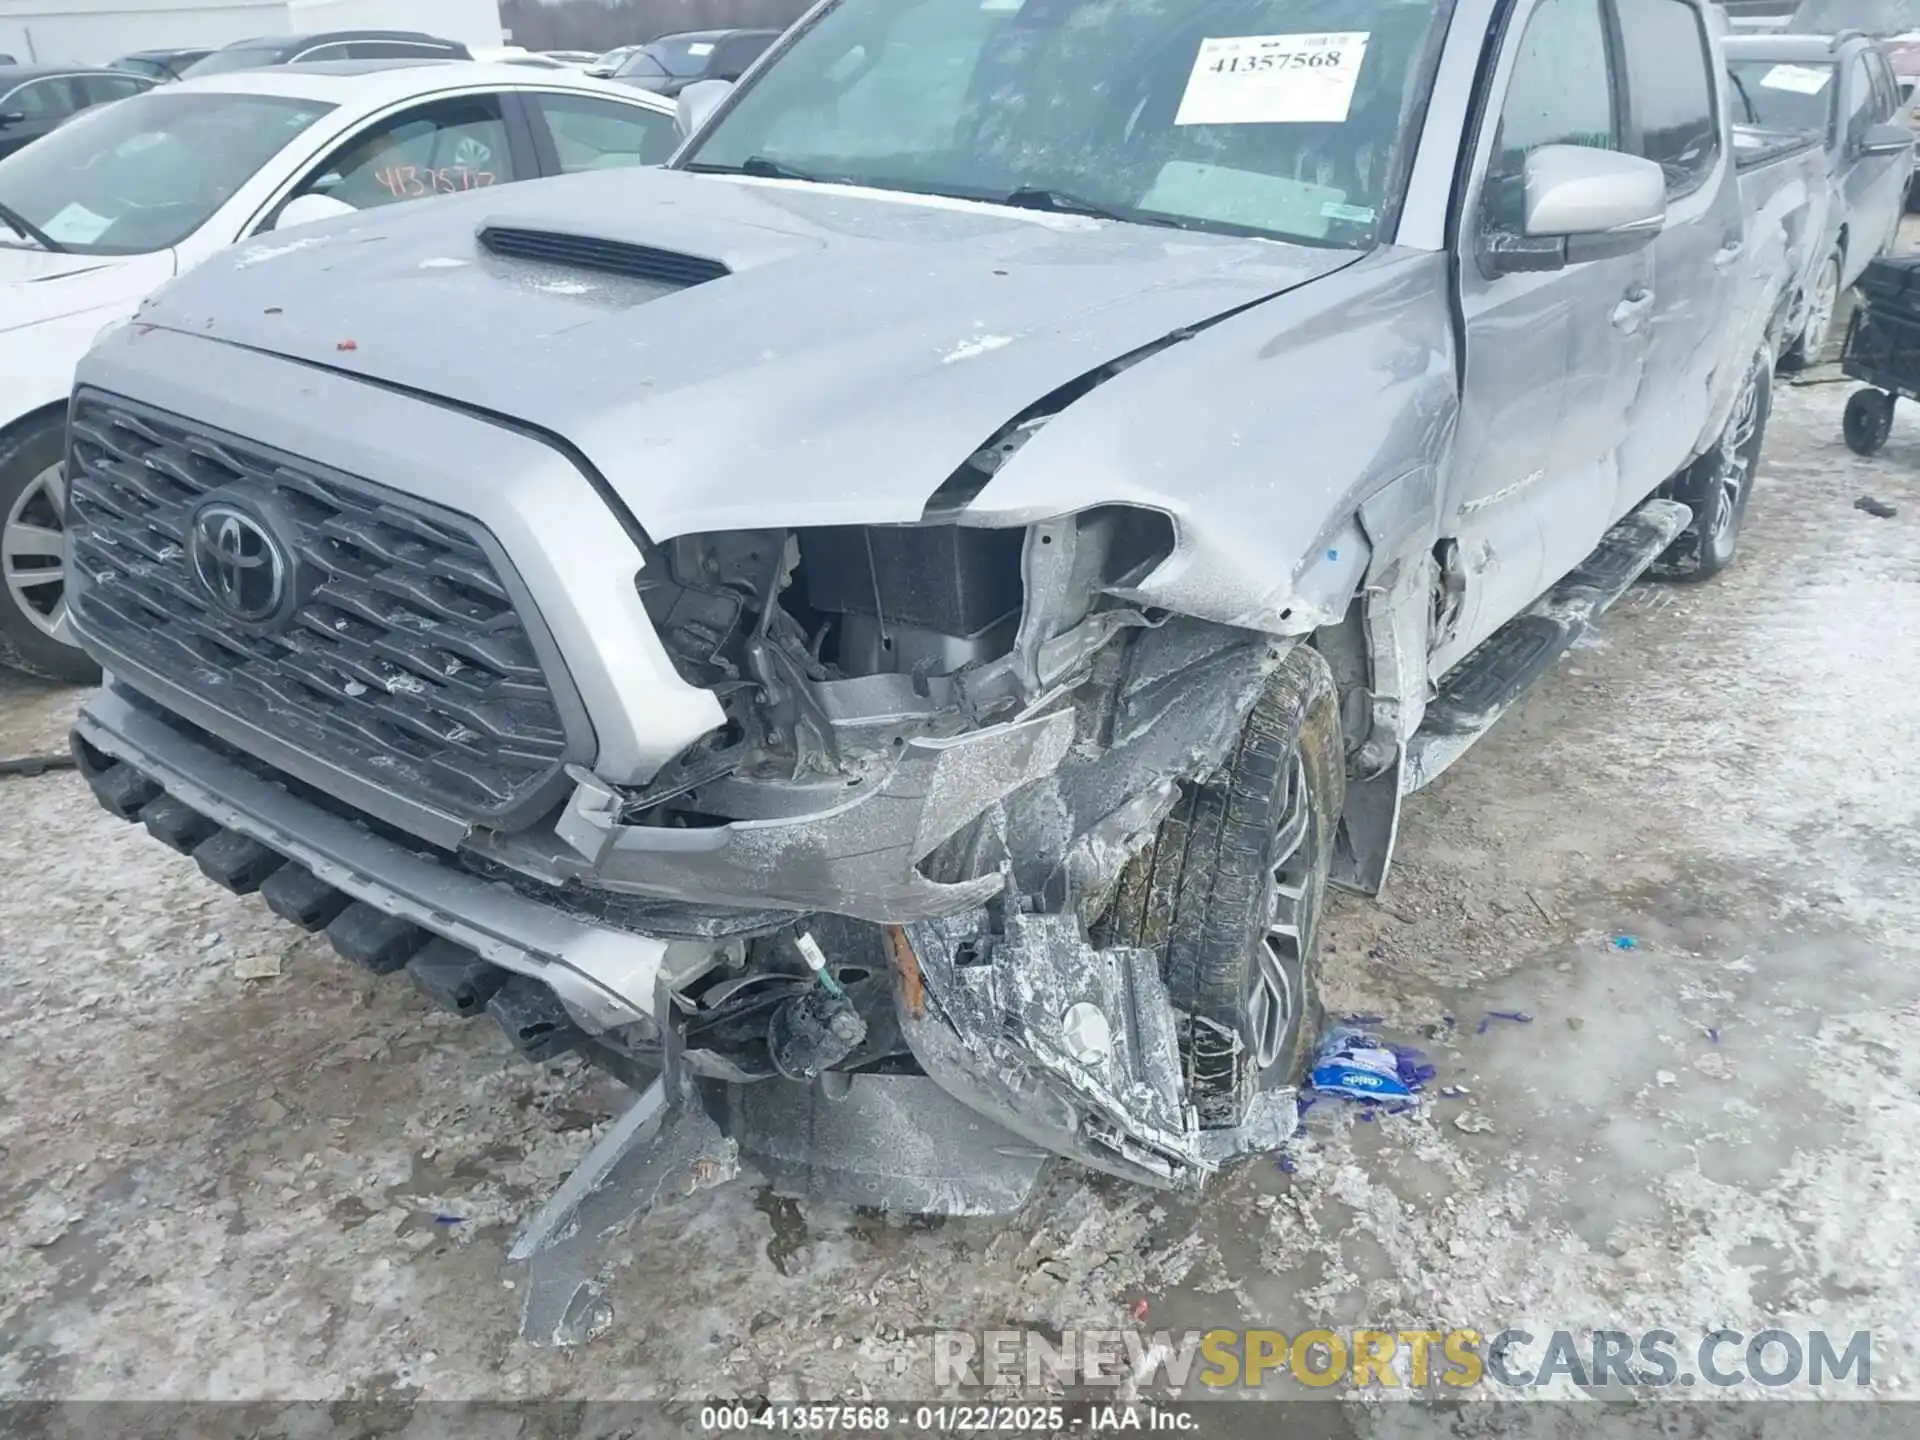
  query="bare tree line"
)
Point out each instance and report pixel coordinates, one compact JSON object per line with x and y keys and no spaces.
{"x":602,"y":24}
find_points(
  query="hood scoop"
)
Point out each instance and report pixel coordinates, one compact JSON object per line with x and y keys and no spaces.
{"x":611,"y":257}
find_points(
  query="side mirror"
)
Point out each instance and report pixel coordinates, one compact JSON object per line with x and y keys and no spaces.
{"x":1886,"y":139}
{"x":698,"y":101}
{"x":305,"y":209}
{"x":1581,"y":204}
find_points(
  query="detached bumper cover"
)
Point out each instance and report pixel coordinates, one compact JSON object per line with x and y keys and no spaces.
{"x":858,"y":858}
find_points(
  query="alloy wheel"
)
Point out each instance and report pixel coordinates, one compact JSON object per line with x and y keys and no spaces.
{"x":1736,"y":463}
{"x":1291,"y":898}
{"x":31,"y":559}
{"x":1821,"y":305}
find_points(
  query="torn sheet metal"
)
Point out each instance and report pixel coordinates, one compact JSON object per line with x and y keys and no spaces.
{"x":857,"y":858}
{"x":894,"y":1142}
{"x":1174,"y":715}
{"x":995,"y":1035}
{"x":665,"y":1145}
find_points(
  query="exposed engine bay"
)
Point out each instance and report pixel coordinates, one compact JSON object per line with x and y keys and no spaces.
{"x":952,"y":741}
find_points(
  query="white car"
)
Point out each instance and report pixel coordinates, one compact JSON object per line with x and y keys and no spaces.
{"x":97,"y":214}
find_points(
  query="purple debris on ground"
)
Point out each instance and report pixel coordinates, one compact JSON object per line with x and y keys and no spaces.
{"x":1517,"y":1017}
{"x":449,"y":1219}
{"x":1366,"y":1019}
{"x":1286,"y":1163}
{"x":1713,"y":1034}
{"x":1412,"y":1065}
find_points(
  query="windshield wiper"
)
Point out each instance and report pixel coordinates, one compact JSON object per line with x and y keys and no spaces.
{"x":1061,"y":202}
{"x":25,"y":228}
{"x":753,"y":165}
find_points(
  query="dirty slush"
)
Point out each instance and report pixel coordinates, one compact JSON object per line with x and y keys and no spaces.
{"x":232,"y":1166}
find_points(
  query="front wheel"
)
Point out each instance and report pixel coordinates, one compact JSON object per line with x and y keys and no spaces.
{"x":1720,"y":483}
{"x":1231,"y":892}
{"x":1868,"y":421}
{"x":34,"y":634}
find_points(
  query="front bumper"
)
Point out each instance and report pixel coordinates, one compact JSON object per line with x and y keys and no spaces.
{"x":679,"y":894}
{"x":606,"y":977}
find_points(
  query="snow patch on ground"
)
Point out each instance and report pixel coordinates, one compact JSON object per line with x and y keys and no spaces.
{"x":1730,"y":782}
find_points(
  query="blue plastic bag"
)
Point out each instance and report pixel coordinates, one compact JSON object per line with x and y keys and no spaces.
{"x":1351,"y":1063}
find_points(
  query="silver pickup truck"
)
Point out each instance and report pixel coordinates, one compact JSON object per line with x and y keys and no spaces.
{"x":884,"y":631}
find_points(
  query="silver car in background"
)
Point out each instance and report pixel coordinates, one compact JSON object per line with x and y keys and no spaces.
{"x":1840,"y":88}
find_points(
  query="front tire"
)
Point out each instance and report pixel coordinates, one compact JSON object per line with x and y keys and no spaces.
{"x":1230,"y":894}
{"x":34,"y":634}
{"x":1720,"y":483}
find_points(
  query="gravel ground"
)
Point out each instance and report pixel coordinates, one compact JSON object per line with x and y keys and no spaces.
{"x":237,"y":1188}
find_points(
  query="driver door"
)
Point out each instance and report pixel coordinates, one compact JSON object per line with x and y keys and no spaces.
{"x":1552,"y":359}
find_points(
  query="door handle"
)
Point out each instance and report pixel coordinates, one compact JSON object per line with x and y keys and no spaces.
{"x":1632,"y":309}
{"x":1728,"y":253}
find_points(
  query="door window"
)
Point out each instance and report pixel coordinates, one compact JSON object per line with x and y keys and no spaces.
{"x":1886,"y":95}
{"x":734,"y":54}
{"x":1561,"y":92}
{"x":594,"y":134}
{"x":42,"y":100}
{"x":102,"y":88}
{"x":1669,"y":92}
{"x":437,"y":149}
{"x":1860,"y":101}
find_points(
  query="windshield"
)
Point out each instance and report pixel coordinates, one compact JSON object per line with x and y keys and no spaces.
{"x":1873,"y":17}
{"x":640,"y":63}
{"x":1782,"y":96}
{"x":238,"y":57}
{"x":147,"y":172}
{"x":682,"y":57}
{"x":1283,"y":118}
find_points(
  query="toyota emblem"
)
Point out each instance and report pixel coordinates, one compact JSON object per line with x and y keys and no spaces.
{"x":239,"y":563}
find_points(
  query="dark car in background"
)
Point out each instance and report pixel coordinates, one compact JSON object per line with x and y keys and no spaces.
{"x":328,"y":45}
{"x":668,"y":65}
{"x":37,"y":98}
{"x":161,"y":66}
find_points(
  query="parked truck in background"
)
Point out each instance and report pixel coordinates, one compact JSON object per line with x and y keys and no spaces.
{"x":889,"y":628}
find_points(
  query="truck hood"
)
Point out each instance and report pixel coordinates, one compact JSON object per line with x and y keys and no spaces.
{"x":36,"y":285}
{"x":862,"y":345}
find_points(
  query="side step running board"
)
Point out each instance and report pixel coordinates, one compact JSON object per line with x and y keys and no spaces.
{"x":1484,"y":686}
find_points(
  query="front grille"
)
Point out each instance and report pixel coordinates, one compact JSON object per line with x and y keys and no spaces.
{"x":615,"y":257}
{"x":400,"y":657}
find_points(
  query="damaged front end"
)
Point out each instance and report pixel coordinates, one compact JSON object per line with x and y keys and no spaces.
{"x":851,"y":933}
{"x":941,"y":749}
{"x":943,"y":746}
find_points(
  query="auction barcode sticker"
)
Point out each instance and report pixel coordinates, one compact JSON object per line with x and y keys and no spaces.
{"x":1268,"y":79}
{"x":1801,"y":79}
